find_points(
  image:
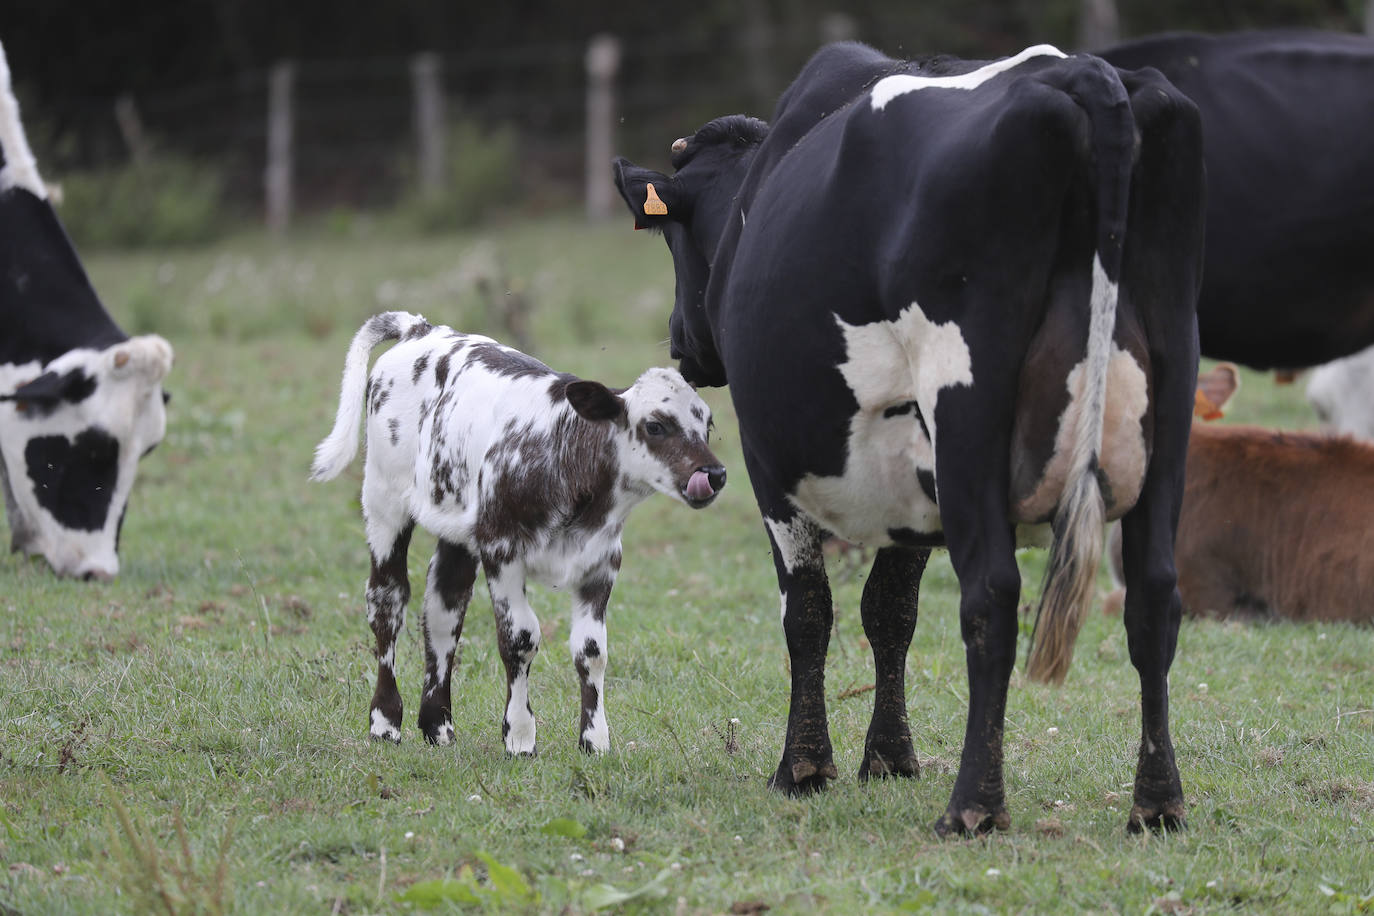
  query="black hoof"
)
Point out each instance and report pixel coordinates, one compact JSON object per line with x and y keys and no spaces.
{"x":972,"y":822}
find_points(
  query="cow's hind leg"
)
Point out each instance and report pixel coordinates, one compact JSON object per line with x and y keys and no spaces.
{"x":589,"y":652}
{"x":1162,"y":261}
{"x":452,"y":570}
{"x":517,"y":636}
{"x":807,"y":758}
{"x":982,"y":551}
{"x":889,"y":616}
{"x":388,"y":591}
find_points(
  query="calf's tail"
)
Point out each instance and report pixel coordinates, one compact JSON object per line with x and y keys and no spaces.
{"x":338,"y":448}
{"x":1076,"y":549}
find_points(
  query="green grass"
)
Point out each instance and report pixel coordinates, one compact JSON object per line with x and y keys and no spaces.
{"x":222,"y":682}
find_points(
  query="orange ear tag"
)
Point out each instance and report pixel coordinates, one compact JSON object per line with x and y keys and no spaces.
{"x":653,"y":206}
{"x":1203,"y":408}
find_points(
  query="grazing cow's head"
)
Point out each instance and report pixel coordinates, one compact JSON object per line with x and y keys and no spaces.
{"x":71,"y":434}
{"x":666,"y":426}
{"x":79,"y":400}
{"x":693,"y":209}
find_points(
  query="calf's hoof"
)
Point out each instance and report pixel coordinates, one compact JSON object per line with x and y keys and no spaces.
{"x":1167,"y":818}
{"x":440,"y":735}
{"x":436,"y":724}
{"x":803,"y":776}
{"x":382,"y":728}
{"x":974,"y":821}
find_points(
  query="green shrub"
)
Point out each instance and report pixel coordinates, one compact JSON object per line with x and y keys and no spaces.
{"x":481,"y":177}
{"x":167,"y":200}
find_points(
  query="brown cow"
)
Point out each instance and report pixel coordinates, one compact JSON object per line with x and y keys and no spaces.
{"x":1275,"y":524}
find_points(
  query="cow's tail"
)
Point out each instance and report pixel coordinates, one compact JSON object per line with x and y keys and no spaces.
{"x":338,"y":448}
{"x":1076,"y":549}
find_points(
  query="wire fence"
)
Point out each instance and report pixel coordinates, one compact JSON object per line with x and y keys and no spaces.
{"x":353,"y":138}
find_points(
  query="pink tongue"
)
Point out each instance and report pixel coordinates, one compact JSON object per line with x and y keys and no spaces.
{"x":699,"y":487}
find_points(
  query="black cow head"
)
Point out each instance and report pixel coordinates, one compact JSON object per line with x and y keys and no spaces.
{"x":694,"y":209}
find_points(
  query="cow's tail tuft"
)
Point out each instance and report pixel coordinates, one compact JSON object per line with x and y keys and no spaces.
{"x":338,"y":448}
{"x":1076,"y":550}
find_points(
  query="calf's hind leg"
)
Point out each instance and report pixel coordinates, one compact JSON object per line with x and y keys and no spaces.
{"x":452,"y":570}
{"x":388,"y":591}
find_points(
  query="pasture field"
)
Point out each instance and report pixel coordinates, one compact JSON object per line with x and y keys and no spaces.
{"x":192,"y":738}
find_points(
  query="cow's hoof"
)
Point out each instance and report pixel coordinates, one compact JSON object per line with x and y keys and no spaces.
{"x":877,"y":766}
{"x":1167,"y":818}
{"x":803,"y":777}
{"x":972,"y":822}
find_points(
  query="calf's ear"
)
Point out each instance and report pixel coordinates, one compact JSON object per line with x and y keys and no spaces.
{"x":653,"y":198}
{"x":1214,"y":389}
{"x":594,"y":401}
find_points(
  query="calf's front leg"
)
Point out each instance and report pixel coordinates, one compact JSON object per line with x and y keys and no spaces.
{"x":517,"y":636}
{"x":587,"y":642}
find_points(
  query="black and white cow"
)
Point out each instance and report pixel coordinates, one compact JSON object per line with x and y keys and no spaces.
{"x":1288,"y":139}
{"x":530,"y":473}
{"x":80,"y":401}
{"x":950,"y":298}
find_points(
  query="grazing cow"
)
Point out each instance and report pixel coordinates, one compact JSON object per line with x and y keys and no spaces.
{"x":1275,"y":524}
{"x":1342,"y":394}
{"x":527,"y":471}
{"x":80,"y":401}
{"x":1288,"y":139}
{"x":950,"y":297}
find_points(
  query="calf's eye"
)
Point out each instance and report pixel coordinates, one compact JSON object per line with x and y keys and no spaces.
{"x":654,"y":428}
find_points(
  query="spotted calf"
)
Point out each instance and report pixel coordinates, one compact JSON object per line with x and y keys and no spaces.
{"x":528,"y":472}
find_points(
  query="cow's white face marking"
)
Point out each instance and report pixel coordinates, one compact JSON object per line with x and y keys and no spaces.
{"x":125,"y":404}
{"x":888,"y":365}
{"x":890,"y":87}
{"x":21,"y":169}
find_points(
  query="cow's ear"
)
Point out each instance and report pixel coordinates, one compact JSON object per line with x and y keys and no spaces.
{"x":653,"y":197}
{"x":594,"y":401}
{"x":50,"y":389}
{"x":147,"y":356}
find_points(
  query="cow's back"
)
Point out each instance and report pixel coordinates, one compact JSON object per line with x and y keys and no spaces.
{"x":1289,"y":145}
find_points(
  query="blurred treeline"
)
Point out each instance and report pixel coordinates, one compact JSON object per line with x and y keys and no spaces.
{"x":193,"y":75}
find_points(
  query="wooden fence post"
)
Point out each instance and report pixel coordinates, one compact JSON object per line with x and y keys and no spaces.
{"x":279,"y":141}
{"x":838,"y":27}
{"x":131,"y":129}
{"x":756,"y":38}
{"x":429,"y":122}
{"x":1098,"y":24}
{"x":603,"y":63}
